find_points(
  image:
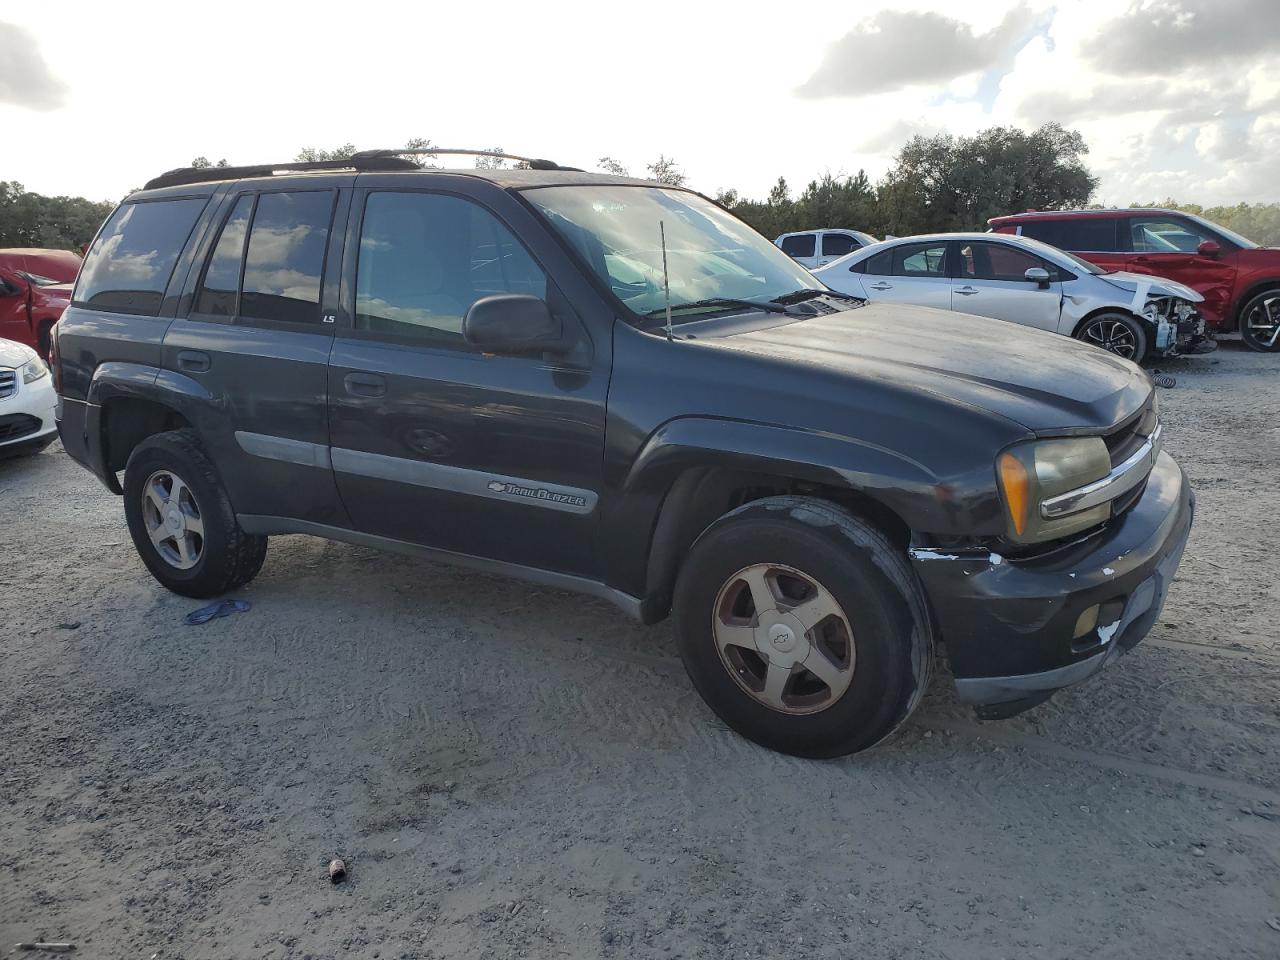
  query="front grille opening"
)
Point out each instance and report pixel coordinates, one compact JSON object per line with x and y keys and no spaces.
{"x":18,"y":425}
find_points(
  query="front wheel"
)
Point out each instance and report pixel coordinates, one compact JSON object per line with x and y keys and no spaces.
{"x":802,"y":627}
{"x":1260,"y":322}
{"x":1117,"y":333}
{"x":181,"y":519}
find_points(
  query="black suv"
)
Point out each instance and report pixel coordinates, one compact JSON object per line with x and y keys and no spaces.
{"x":615,"y":387}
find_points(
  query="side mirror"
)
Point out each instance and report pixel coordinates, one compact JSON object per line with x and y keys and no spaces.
{"x":1038,"y":275}
{"x":513,"y":323}
{"x":1209,"y":248}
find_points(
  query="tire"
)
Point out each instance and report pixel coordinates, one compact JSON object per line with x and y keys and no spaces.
{"x":1260,"y":322}
{"x":1115,"y":332}
{"x":169,"y":474}
{"x":878,"y":645}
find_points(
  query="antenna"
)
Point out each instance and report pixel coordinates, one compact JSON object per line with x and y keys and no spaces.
{"x":666,"y":286}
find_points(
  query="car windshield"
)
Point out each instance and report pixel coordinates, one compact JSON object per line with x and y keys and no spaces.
{"x":714,"y":261}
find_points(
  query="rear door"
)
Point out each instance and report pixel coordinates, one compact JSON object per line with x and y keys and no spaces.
{"x":990,"y":282}
{"x":802,"y":248}
{"x":1168,"y":246}
{"x":252,"y":341}
{"x":435,"y":442}
{"x":915,"y":273}
{"x":1099,"y":240}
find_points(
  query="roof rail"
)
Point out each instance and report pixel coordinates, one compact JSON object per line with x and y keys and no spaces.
{"x":534,"y":162}
{"x":392,"y":159}
{"x":186,"y":175}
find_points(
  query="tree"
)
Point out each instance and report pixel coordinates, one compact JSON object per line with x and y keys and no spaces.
{"x":1259,"y":222}
{"x":202,"y":163}
{"x":610,"y":165}
{"x":947,"y":183}
{"x":32,"y":220}
{"x":664,"y":170}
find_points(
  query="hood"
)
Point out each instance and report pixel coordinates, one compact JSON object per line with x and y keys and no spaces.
{"x":14,"y":354}
{"x":1046,"y":382}
{"x":1156,"y":286}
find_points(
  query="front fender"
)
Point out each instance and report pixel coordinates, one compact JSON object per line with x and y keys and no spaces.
{"x":663,"y":475}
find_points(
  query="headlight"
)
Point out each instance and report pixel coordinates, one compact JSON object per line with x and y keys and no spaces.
{"x":1031,"y":473}
{"x":34,"y":371}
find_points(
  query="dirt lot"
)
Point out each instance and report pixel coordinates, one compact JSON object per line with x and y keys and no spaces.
{"x":513,"y":772}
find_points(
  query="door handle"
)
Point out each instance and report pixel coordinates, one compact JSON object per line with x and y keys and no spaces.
{"x":880,"y":286}
{"x":966,"y":291}
{"x":193,"y":361}
{"x":365,"y":384}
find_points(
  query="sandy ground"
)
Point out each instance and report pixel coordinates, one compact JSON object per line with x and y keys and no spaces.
{"x":513,"y":772}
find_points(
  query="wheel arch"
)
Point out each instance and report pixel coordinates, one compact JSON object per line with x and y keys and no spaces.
{"x":1242,"y":301}
{"x":1114,"y":308}
{"x":695,"y":471}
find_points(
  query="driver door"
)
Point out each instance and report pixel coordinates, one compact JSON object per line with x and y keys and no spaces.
{"x":991,"y":282}
{"x":435,"y":442}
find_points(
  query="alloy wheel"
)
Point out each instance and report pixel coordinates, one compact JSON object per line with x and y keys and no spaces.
{"x":173,"y":519}
{"x":1263,"y":321}
{"x":1111,"y":335}
{"x":784,"y":638}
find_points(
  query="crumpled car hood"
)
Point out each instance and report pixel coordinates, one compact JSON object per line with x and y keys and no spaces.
{"x":1156,"y":286}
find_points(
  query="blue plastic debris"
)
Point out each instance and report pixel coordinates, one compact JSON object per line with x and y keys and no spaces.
{"x":223,"y":608}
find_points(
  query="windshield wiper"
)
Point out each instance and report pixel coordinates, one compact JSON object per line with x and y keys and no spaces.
{"x":770,"y":307}
{"x":808,"y":293}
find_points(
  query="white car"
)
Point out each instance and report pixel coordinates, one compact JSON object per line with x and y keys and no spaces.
{"x":813,"y":248}
{"x":27,"y":401}
{"x":1028,"y":282}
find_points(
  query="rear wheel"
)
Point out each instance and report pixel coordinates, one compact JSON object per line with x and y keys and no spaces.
{"x":1260,"y":322}
{"x":181,"y":520}
{"x":1117,"y":333}
{"x":803,"y":627}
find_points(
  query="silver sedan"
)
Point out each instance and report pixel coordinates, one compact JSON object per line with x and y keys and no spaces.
{"x":1028,"y":282}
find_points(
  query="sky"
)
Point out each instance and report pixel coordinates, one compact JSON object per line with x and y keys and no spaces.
{"x":1176,"y":98}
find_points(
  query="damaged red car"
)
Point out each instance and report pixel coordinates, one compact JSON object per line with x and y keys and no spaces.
{"x":35,"y":287}
{"x":1239,"y":280}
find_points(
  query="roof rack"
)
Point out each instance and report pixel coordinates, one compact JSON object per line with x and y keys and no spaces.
{"x":391,"y":159}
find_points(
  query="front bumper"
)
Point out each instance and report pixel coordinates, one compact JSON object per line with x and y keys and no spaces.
{"x":27,"y":417}
{"x":1010,"y":625}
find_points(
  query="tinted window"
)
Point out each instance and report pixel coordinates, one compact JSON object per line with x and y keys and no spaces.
{"x":838,"y":244}
{"x":1090,"y":234}
{"x":801,"y":245}
{"x":132,"y":259}
{"x":425,"y":258}
{"x":997,"y":261}
{"x":217,"y":295}
{"x":1165,"y":235}
{"x":286,"y":257}
{"x":920,"y":260}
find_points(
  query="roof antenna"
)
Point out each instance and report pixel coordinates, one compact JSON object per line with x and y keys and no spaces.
{"x":666,"y":286}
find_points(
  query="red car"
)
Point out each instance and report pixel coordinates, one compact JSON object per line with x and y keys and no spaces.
{"x":1240,"y":281}
{"x":35,"y":287}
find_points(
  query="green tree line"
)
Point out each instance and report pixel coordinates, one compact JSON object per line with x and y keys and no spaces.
{"x":936,"y":183}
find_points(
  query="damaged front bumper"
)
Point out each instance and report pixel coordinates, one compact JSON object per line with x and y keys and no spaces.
{"x":1018,"y":630}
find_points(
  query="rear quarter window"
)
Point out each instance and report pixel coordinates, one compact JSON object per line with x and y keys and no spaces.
{"x":131,"y":261}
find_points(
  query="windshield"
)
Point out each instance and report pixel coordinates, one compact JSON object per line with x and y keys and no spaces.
{"x":711,"y":256}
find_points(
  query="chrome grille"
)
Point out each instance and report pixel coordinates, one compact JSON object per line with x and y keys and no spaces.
{"x":8,"y":383}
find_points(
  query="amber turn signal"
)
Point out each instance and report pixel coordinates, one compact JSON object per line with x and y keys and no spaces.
{"x":1017,"y":490}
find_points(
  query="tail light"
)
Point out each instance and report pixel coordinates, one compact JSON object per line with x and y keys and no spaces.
{"x":55,"y":362}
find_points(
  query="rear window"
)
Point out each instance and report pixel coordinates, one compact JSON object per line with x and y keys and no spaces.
{"x":801,"y":245}
{"x":920,"y":260}
{"x":1088,"y":234}
{"x":285,"y":259}
{"x":130,"y":263}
